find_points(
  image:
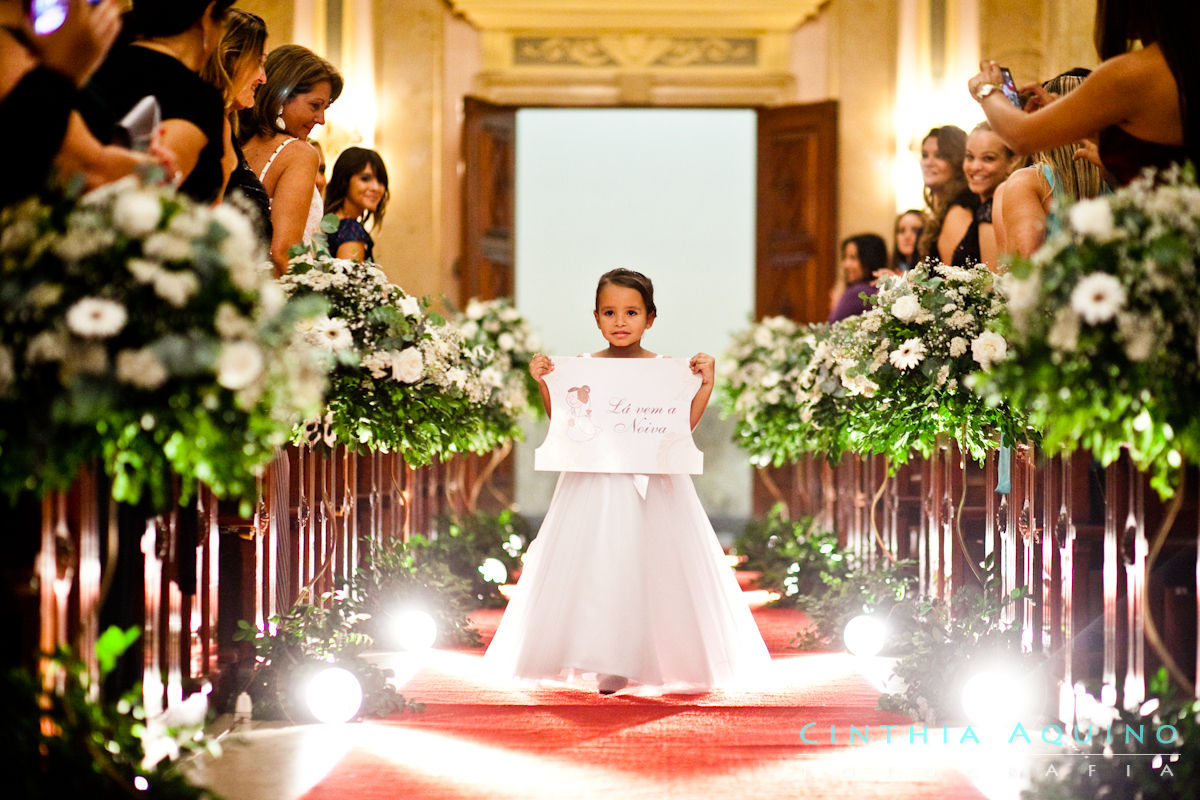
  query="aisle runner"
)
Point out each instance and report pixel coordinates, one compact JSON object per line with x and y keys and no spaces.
{"x":480,"y":739}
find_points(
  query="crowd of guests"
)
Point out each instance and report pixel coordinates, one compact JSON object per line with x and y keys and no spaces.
{"x":188,"y":87}
{"x":995,"y":191}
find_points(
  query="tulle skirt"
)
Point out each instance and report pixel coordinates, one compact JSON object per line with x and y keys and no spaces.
{"x":623,"y":585}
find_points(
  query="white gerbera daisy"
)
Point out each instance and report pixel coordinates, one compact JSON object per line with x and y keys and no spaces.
{"x":910,"y":353}
{"x":332,"y":333}
{"x":1098,"y":297}
{"x":96,"y":317}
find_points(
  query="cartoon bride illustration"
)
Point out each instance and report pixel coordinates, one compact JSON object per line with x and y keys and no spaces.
{"x":580,"y":427}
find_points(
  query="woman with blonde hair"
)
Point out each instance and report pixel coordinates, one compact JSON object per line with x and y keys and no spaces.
{"x":1025,"y":204}
{"x":300,"y":86}
{"x":236,"y":68}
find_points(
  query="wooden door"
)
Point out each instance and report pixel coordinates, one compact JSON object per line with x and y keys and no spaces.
{"x":489,"y":160}
{"x":797,"y":211}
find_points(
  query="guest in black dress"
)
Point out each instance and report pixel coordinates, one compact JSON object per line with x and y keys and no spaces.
{"x":906,"y":232}
{"x":236,"y":68}
{"x":172,"y":41}
{"x":358,"y":194}
{"x":988,"y":164}
{"x":951,"y":204}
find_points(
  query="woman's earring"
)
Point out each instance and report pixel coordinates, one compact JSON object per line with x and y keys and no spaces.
{"x":279,"y":123}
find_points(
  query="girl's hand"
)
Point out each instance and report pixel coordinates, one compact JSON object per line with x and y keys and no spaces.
{"x":703,"y":364}
{"x":989,"y":72}
{"x":539,"y":366}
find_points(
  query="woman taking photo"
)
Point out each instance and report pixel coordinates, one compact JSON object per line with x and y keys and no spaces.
{"x":174,"y":39}
{"x":951,"y":205}
{"x":300,"y":86}
{"x":357,"y":193}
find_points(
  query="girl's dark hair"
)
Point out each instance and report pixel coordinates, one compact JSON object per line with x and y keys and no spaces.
{"x":291,"y":70}
{"x":630,"y":280}
{"x":352,"y":161}
{"x":872,"y":252}
{"x":150,"y":19}
{"x":1172,"y":25}
{"x":952,"y":148}
{"x":898,"y":258}
{"x":244,"y":40}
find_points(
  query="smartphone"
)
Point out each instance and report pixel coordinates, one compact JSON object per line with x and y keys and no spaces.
{"x":1009,"y":87}
{"x":49,"y":15}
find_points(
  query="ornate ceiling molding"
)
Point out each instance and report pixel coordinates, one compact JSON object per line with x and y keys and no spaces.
{"x":636,"y":51}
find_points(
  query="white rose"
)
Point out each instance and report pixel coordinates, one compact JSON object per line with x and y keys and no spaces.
{"x":988,"y":348}
{"x":408,"y":366}
{"x":475,"y":309}
{"x":410,"y":306}
{"x":906,"y":308}
{"x":137,"y":213}
{"x":509,"y":314}
{"x":506,"y":342}
{"x":469,"y":329}
{"x":239,"y":364}
{"x":143,"y":270}
{"x":271,"y":298}
{"x":1092,"y":218}
{"x":141,"y":368}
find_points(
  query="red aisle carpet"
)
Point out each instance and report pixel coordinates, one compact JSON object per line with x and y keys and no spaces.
{"x":480,"y":739}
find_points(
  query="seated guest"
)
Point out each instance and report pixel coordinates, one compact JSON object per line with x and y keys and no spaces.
{"x":300,"y":87}
{"x":357,"y":193}
{"x":863,"y":256}
{"x":988,"y":162}
{"x":172,"y":41}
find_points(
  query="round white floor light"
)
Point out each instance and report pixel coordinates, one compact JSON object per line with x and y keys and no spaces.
{"x":414,"y":630}
{"x":334,"y":695}
{"x":865,"y":635}
{"x":494,"y":571}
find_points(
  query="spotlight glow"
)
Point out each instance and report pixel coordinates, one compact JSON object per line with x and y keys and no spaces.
{"x":493,"y":571}
{"x":996,"y":698}
{"x":414,"y":630}
{"x":865,"y":635}
{"x":334,"y":695}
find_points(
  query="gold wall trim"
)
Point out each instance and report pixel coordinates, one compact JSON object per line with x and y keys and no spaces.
{"x":635,"y":51}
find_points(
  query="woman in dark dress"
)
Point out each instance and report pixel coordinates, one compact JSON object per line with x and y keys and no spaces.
{"x":950,"y":203}
{"x":357,"y":193}
{"x":987,"y":164}
{"x":173,"y":40}
{"x":236,"y":68}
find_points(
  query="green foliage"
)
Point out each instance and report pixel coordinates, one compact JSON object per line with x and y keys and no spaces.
{"x":793,"y":557}
{"x":463,"y":543}
{"x":948,"y":643}
{"x":138,"y":328}
{"x":1103,"y":322}
{"x":76,"y":747}
{"x":305,"y":639}
{"x":1130,"y":778}
{"x":859,"y":591}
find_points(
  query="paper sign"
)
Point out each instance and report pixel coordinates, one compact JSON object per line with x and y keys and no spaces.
{"x":620,"y":415}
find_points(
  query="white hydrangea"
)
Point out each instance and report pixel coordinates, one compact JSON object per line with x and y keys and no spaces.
{"x":1092,"y":218}
{"x":176,"y":286}
{"x":958,"y":346}
{"x":137,"y":212}
{"x":47,"y":346}
{"x":141,"y":368}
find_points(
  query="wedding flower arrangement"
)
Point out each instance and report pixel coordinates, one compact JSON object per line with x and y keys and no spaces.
{"x":1104,"y":325}
{"x":778,"y":382}
{"x":919,"y":350}
{"x":891,"y":380}
{"x":144,"y":329}
{"x":404,"y":381}
{"x":500,"y":343}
